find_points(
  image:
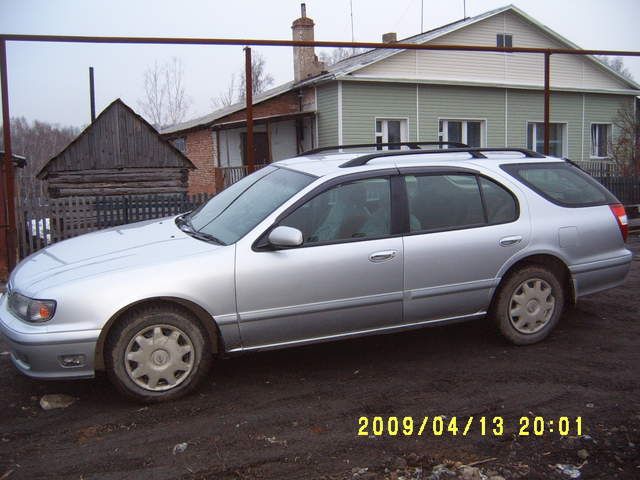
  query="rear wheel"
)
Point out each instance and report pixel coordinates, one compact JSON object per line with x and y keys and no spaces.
{"x":157,"y":353}
{"x":528,"y":305}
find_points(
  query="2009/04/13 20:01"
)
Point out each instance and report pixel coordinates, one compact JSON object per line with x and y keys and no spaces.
{"x":487,"y":426}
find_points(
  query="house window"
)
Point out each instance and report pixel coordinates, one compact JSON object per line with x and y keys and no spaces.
{"x":469,"y":132}
{"x":557,"y":138}
{"x":600,"y":140}
{"x":181,"y":144}
{"x":390,"y":131}
{"x":504,"y":40}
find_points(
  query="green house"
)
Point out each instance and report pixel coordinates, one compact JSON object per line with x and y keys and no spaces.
{"x":478,"y":98}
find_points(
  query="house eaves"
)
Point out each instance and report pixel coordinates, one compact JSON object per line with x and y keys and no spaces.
{"x":467,"y":83}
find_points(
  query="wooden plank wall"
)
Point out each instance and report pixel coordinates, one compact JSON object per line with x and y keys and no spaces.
{"x":117,"y":139}
{"x":129,"y":181}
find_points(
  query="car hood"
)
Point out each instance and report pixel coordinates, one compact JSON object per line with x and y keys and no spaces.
{"x":127,"y":246}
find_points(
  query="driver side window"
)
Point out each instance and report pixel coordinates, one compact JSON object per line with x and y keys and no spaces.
{"x":360,"y":209}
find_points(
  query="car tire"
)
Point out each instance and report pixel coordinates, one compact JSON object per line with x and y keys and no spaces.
{"x":528,"y":305}
{"x":157,"y":353}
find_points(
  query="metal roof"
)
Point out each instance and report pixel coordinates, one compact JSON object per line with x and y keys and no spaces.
{"x":223,"y":112}
{"x":19,"y":161}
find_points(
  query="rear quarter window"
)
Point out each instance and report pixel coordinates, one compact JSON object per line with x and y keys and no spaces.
{"x":561,"y":183}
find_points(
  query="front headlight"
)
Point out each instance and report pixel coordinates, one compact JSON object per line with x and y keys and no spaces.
{"x":31,"y":309}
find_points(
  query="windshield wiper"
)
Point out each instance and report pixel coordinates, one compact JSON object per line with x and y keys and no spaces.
{"x":204,"y":236}
{"x":184,"y":223}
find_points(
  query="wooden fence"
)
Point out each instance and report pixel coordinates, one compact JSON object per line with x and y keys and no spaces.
{"x":43,"y":221}
{"x":601,"y":169}
{"x":627,"y":189}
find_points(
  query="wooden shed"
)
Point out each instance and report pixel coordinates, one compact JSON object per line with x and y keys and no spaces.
{"x":120,"y":153}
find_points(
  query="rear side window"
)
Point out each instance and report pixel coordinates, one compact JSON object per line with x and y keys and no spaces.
{"x":500,"y":204}
{"x":561,"y":183}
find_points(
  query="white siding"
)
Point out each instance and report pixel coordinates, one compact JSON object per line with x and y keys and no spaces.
{"x":568,"y":71}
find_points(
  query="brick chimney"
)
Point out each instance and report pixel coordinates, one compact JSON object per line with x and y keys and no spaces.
{"x":390,"y":37}
{"x":305,"y":61}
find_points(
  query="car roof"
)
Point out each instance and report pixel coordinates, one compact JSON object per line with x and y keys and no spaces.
{"x":329,"y":163}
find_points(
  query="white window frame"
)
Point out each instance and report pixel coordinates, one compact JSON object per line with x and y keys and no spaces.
{"x":565,"y":135}
{"x":384,"y":134}
{"x":591,"y":152}
{"x":443,"y":135}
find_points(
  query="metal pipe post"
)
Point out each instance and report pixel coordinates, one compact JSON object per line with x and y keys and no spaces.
{"x":9,"y":184}
{"x":248,"y":74}
{"x":547,"y":98}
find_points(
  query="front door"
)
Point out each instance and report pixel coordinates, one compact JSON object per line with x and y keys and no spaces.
{"x":260,"y":148}
{"x":345,"y":278}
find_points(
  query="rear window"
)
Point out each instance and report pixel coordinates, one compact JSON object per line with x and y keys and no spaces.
{"x":561,"y":183}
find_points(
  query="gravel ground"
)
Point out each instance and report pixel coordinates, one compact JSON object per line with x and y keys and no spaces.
{"x":294,"y":413}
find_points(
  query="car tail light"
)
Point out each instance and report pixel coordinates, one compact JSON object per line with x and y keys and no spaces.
{"x":621,"y":217}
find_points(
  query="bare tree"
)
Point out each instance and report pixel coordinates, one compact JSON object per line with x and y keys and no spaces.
{"x":338,"y":54}
{"x":616,"y":64}
{"x":165,"y":101}
{"x":625,"y":149}
{"x":177,"y":100}
{"x":228,"y":96}
{"x":260,"y":78}
{"x":38,"y":142}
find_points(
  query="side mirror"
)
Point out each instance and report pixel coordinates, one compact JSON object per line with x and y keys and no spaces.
{"x":285,"y":237}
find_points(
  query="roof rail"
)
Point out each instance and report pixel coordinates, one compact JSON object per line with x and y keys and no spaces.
{"x":474,"y":152}
{"x":525,"y":151}
{"x":412,"y":145}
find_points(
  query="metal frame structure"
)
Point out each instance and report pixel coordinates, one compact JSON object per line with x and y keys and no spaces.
{"x":7,"y":213}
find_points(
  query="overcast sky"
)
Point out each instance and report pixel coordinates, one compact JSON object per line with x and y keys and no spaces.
{"x":50,"y":81}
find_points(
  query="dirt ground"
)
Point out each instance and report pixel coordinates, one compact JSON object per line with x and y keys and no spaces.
{"x":294,"y":413}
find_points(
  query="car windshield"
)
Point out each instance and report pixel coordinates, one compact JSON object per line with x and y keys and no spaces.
{"x":235,"y":211}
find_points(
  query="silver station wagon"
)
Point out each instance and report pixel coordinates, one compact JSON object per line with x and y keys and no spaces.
{"x":329,"y":245}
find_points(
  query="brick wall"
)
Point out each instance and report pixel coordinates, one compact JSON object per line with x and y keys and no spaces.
{"x":202,"y":151}
{"x":201,"y":145}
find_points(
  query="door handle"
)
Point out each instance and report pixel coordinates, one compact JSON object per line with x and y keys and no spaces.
{"x":506,"y":241}
{"x":378,"y":257}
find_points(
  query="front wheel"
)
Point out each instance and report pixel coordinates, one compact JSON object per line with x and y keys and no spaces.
{"x":528,"y":305}
{"x":157,"y":353}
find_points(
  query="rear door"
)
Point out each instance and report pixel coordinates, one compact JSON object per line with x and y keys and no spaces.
{"x":462,"y":228}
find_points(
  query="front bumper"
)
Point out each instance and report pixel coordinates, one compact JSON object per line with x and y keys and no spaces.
{"x":38,"y":352}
